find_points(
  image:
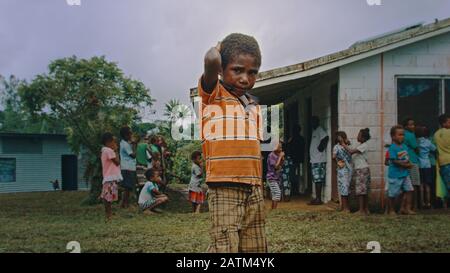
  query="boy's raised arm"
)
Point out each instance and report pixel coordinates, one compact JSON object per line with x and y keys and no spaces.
{"x":213,"y":66}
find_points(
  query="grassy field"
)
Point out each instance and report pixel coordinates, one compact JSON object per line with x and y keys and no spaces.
{"x":46,"y":222}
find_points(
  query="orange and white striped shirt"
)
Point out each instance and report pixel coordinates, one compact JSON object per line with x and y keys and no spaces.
{"x":231,"y":135}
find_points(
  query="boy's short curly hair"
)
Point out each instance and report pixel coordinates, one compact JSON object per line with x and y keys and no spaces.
{"x":237,"y":43}
{"x":195,"y":154}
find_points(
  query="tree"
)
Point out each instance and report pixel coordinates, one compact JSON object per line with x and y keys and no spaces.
{"x":90,"y":97}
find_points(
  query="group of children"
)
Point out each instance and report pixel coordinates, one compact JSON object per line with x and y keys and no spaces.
{"x":120,"y":165}
{"x":412,"y":158}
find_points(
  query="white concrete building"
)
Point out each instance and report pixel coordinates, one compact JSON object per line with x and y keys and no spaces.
{"x":374,"y":83}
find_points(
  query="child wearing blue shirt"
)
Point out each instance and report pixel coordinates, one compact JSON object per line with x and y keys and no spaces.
{"x":398,"y":173}
{"x":426,"y":147}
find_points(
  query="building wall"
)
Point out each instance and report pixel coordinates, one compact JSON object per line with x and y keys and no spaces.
{"x":35,"y":171}
{"x":319,"y":92}
{"x":368,"y":95}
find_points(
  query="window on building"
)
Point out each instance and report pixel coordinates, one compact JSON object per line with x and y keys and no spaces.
{"x":22,"y":145}
{"x":7,"y":170}
{"x":419,"y":99}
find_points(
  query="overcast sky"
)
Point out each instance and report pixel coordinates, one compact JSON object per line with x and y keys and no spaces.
{"x":163,"y":42}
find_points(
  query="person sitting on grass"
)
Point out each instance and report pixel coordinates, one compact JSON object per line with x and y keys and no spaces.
{"x":150,"y":196}
{"x":344,"y":168}
{"x":111,"y":172}
{"x":196,"y":194}
{"x":398,"y":173}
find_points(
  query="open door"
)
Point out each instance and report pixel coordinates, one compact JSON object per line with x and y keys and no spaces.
{"x":69,"y":172}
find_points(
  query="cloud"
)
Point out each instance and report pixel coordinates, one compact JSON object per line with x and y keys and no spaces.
{"x":163,"y":42}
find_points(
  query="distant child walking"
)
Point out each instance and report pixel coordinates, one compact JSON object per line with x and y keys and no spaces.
{"x":196,"y":194}
{"x":362,"y":170}
{"x":344,"y":168}
{"x":275,"y":162}
{"x":111,"y":172}
{"x":150,"y":197}
{"x":398,"y":173}
{"x":426,"y":148}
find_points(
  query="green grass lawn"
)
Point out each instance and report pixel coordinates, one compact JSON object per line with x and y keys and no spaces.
{"x":46,"y":222}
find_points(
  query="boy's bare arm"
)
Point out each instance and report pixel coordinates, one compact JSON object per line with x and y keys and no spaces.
{"x":403,"y":164}
{"x":213,"y":66}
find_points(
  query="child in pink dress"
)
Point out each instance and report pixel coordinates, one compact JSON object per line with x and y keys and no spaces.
{"x":111,"y":172}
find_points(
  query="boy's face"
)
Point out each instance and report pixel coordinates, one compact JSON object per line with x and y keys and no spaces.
{"x":156,"y":178}
{"x":411,"y":126}
{"x":399,"y":136}
{"x":198,"y":160}
{"x":240,"y":73}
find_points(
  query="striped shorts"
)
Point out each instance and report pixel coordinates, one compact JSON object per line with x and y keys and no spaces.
{"x":275,"y":190}
{"x":238,"y":219}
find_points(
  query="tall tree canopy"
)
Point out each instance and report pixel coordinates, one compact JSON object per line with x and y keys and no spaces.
{"x":90,"y":96}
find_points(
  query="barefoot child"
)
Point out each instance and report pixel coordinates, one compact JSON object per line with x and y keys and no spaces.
{"x":398,"y":173}
{"x":426,"y":147}
{"x":111,"y":172}
{"x":196,"y":194}
{"x":344,"y":168}
{"x":275,"y":162}
{"x":127,"y":165}
{"x":233,"y":162}
{"x":362,"y":170}
{"x":150,"y":196}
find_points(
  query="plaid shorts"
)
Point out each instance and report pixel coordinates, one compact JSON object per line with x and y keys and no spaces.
{"x":319,"y":172}
{"x":238,"y":220}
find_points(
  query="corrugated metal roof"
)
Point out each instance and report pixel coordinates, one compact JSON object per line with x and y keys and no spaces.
{"x":360,"y":47}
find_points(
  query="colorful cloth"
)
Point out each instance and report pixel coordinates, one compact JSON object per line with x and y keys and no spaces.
{"x":234,"y":153}
{"x":426,"y":147}
{"x":399,"y":153}
{"x":411,"y":143}
{"x":315,"y":155}
{"x":287,"y":174}
{"x":197,"y":197}
{"x":399,"y":185}
{"x":319,"y":172}
{"x":344,"y":172}
{"x":110,"y":171}
{"x":275,"y":190}
{"x":362,"y":181}
{"x":238,"y":220}
{"x":109,"y":192}
{"x":126,"y":161}
{"x":272,"y":173}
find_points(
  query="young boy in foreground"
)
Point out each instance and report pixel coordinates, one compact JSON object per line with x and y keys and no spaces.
{"x":233,"y":155}
{"x":398,"y":173}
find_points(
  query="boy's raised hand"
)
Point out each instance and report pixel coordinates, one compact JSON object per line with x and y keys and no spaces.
{"x":213,"y":67}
